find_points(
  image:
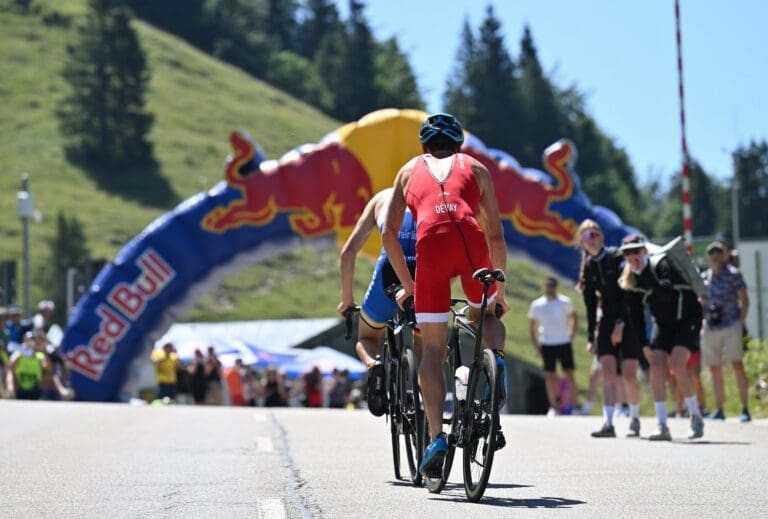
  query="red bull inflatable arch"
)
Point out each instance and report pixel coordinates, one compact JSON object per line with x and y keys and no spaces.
{"x":315,"y":191}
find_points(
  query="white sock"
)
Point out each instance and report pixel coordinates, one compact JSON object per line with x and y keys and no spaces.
{"x":608,"y":414}
{"x":692,"y":403}
{"x":586,"y":406}
{"x":661,"y":412}
{"x":634,"y":410}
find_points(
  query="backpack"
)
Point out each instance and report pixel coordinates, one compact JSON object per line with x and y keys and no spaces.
{"x":677,"y":255}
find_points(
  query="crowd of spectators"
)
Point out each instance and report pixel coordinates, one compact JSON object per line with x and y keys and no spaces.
{"x":31,"y":367}
{"x":204,"y":381}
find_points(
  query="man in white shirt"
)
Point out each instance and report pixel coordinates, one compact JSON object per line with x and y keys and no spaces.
{"x":552,"y":323}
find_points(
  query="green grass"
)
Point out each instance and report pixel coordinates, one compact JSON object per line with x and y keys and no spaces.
{"x":196,"y":99}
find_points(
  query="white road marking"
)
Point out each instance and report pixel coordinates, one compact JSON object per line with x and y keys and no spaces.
{"x":271,"y":508}
{"x":264,"y":444}
{"x":259,"y":417}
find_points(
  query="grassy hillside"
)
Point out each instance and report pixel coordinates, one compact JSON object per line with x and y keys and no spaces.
{"x":197,"y":101}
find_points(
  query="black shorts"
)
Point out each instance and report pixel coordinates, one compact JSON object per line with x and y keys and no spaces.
{"x":681,"y":333}
{"x":628,"y":349}
{"x":552,"y":353}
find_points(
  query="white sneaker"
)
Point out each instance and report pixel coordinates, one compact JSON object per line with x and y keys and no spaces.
{"x":552,"y":412}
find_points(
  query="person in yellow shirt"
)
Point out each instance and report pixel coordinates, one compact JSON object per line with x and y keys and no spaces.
{"x":166,"y":362}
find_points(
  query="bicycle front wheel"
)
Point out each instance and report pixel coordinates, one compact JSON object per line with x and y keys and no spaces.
{"x":483,"y":422}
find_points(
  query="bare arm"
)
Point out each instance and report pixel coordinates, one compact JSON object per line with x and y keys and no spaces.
{"x":533,"y":330}
{"x":573,"y":320}
{"x":743,"y":304}
{"x":490,"y":217}
{"x":392,"y":224}
{"x":349,"y":252}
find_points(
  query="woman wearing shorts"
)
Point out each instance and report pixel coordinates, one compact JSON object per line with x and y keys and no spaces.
{"x":612,"y":336}
{"x":678,"y":315}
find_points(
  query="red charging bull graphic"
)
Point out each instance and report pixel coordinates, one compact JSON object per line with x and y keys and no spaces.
{"x":322,"y":190}
{"x":527,"y":202}
{"x":314,"y":191}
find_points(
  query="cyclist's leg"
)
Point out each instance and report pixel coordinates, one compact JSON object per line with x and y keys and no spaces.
{"x":432,"y":301}
{"x":368,"y":342}
{"x":431,"y":376}
{"x":374,"y":312}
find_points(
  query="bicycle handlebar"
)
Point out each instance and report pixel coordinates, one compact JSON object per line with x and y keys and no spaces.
{"x":348,"y":320}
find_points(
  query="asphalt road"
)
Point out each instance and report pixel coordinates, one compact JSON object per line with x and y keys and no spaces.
{"x":91,"y":460}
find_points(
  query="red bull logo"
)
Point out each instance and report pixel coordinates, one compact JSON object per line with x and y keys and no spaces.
{"x":529,"y":209}
{"x":127,"y":302}
{"x":323,"y":189}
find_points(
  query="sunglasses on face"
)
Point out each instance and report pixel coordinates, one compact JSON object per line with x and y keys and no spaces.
{"x":590,"y":235}
{"x":631,"y":252}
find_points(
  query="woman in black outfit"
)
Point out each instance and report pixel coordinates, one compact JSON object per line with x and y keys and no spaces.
{"x":677,"y":312}
{"x":274,"y":391}
{"x":613,"y":336}
{"x":198,"y":372}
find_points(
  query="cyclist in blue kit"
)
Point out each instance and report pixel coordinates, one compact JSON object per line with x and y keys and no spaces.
{"x":377,"y":307}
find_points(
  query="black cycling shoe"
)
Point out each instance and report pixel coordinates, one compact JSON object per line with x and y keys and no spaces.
{"x":377,"y":404}
{"x":501,"y":442}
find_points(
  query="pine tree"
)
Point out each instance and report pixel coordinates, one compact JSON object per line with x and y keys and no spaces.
{"x":543,"y":117}
{"x":104,"y":115}
{"x":68,"y":249}
{"x":281,"y":24}
{"x":395,"y":80}
{"x":489,"y":103}
{"x":356,"y":94}
{"x":706,"y":192}
{"x":458,"y":94}
{"x":322,"y":18}
{"x":751,"y":169}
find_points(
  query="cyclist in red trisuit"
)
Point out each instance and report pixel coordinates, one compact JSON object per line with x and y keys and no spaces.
{"x":457,"y":218}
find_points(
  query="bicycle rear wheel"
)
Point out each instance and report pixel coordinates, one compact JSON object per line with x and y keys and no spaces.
{"x":411,"y":413}
{"x":482,"y":395}
{"x":436,"y":485}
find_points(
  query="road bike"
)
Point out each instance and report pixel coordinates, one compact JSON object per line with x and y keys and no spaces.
{"x":473,"y":420}
{"x":403,"y":396}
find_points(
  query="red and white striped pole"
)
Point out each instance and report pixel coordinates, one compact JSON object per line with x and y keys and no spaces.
{"x":686,"y":180}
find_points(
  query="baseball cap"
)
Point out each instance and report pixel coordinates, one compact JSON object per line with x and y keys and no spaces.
{"x":632,"y":241}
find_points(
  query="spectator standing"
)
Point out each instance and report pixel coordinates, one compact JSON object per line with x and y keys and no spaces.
{"x":552,"y":323}
{"x":273,"y":390}
{"x":13,"y":328}
{"x":28,"y":367}
{"x":213,"y":395}
{"x":250,"y":386}
{"x":611,"y":337}
{"x":233,"y":376}
{"x":339,"y":392}
{"x":4,"y":359}
{"x":42,"y":319}
{"x":198,"y":373}
{"x":726,"y":305}
{"x":166,"y":362}
{"x":677,"y":313}
{"x":313,"y":388}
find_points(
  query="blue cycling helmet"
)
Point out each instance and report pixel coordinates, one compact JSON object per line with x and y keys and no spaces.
{"x":441,"y":124}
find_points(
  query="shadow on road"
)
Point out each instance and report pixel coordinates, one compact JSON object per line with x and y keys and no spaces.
{"x":542,"y":502}
{"x":460,"y":486}
{"x":706,"y":442}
